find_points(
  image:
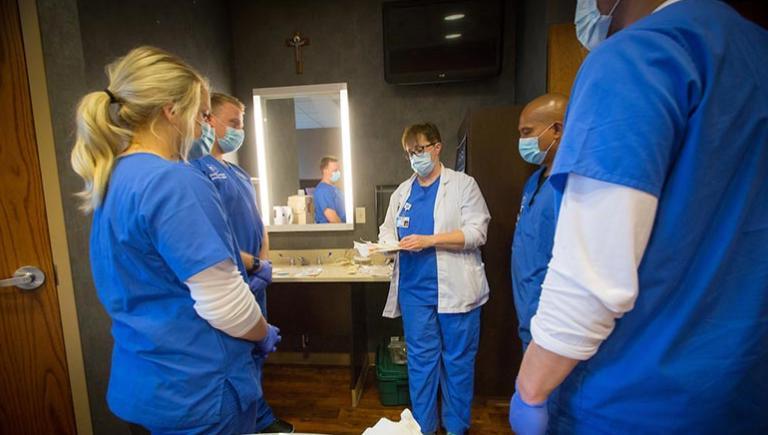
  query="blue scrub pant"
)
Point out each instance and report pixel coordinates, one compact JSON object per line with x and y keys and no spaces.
{"x":441,"y":349}
{"x":264,"y":413}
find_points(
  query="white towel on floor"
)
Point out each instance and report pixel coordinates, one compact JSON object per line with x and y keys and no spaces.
{"x":406,"y":426}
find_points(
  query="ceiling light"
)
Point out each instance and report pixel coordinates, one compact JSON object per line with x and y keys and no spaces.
{"x":453,"y":36}
{"x":453,"y":17}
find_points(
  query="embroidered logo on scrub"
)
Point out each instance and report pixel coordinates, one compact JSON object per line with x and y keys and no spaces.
{"x":215,"y":174}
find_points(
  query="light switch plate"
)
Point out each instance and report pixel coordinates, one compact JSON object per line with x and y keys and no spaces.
{"x":360,"y":215}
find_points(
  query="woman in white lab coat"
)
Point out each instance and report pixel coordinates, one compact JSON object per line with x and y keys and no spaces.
{"x":440,"y":219}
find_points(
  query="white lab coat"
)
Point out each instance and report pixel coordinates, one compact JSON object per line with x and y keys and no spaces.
{"x":461,"y":282}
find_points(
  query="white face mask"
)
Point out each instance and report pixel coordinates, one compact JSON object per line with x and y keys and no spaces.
{"x":591,"y":26}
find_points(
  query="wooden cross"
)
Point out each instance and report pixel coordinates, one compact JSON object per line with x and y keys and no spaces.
{"x":297,"y":41}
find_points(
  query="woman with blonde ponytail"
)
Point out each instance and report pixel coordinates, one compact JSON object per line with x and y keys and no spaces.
{"x":164,"y":261}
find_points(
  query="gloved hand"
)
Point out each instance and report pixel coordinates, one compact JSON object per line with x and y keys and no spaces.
{"x":265,"y":271}
{"x":269,"y":343}
{"x":527,"y":419}
{"x":257,"y":284}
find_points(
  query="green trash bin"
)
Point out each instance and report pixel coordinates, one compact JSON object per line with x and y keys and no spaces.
{"x":393,"y":378}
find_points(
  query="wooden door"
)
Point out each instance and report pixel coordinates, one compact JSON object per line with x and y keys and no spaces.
{"x":34,"y":383}
{"x":564,"y":57}
{"x":494,"y":161}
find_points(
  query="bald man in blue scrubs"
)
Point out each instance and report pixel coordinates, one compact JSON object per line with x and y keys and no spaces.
{"x":541,"y":129}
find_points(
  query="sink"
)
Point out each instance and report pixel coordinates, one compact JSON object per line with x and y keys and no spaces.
{"x":284,"y":271}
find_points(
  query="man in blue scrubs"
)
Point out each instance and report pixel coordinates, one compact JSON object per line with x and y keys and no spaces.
{"x":541,"y":128}
{"x":239,"y":199}
{"x":653,"y":316}
{"x":329,"y":202}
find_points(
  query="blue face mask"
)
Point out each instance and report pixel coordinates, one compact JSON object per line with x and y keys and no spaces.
{"x":232,"y":140}
{"x":530,"y":150}
{"x":591,"y":26}
{"x":335,"y":176}
{"x":422,"y":164}
{"x":201,"y":146}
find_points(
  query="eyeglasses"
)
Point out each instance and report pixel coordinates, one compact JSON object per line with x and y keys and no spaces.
{"x":418,"y":149}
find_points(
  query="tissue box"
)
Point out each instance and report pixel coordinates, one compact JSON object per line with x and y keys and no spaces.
{"x":303,"y":209}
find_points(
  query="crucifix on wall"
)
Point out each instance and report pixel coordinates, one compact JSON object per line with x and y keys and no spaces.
{"x":297,"y":42}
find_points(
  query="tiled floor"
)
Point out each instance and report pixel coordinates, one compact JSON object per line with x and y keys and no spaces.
{"x":317,"y":400}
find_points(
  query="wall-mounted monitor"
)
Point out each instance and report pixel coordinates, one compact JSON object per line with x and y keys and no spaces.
{"x":434,"y":41}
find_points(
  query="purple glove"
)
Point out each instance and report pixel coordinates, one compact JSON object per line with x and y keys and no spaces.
{"x":265,"y":271}
{"x":257,"y":285}
{"x":269,"y":343}
{"x":527,"y":419}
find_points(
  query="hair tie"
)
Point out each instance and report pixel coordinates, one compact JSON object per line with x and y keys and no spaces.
{"x":112,"y":98}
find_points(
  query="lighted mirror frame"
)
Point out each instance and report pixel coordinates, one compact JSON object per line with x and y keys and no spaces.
{"x":260,"y":97}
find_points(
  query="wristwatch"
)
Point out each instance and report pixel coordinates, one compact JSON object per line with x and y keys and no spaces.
{"x":255,"y":266}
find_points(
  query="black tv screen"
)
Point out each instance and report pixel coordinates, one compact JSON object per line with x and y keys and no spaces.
{"x":442,"y":41}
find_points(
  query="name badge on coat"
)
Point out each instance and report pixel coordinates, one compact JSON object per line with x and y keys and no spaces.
{"x":403,"y":221}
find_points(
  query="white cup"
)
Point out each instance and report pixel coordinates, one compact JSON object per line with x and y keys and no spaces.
{"x":283,"y":215}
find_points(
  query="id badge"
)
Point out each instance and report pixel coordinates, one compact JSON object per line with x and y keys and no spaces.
{"x":403,"y":221}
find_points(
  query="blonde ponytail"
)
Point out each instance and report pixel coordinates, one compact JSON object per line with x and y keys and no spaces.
{"x":98,"y":142}
{"x":140,"y":84}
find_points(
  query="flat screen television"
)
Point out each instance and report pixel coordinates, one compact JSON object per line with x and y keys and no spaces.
{"x":434,"y":41}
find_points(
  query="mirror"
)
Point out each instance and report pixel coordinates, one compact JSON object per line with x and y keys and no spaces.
{"x":304,"y":158}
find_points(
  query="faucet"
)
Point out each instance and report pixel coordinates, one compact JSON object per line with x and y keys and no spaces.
{"x":319,"y":260}
{"x":300,"y":260}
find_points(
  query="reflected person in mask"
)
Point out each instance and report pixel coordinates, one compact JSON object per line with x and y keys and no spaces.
{"x":541,"y":128}
{"x":239,"y":200}
{"x":329,"y":202}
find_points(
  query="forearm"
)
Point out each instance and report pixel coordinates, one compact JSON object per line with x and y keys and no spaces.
{"x":248,"y":260}
{"x":332,"y":216}
{"x":258,"y":332}
{"x":264,"y":253}
{"x":453,"y":240}
{"x":224,"y":300}
{"x":541,"y":372}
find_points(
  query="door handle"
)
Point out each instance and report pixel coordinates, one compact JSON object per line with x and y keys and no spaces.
{"x":25,"y":278}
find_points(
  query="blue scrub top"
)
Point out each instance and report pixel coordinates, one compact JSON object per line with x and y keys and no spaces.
{"x":328,"y":196}
{"x":162,"y":222}
{"x":239,"y":199}
{"x":418,"y":270}
{"x":687,"y":122}
{"x":532,"y":248}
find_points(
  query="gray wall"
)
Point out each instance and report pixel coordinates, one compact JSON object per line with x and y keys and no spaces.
{"x":346,"y":46}
{"x":241,"y":43}
{"x":314,"y":144}
{"x":283,"y":153}
{"x":79,"y":39}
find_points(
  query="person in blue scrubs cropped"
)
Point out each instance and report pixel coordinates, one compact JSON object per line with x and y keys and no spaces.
{"x":440,"y":220}
{"x":329,"y":202}
{"x":165,"y":264}
{"x":541,"y":128}
{"x":653,"y":315}
{"x":239,"y":199}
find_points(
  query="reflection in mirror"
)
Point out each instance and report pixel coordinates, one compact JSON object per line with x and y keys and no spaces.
{"x":303,"y":153}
